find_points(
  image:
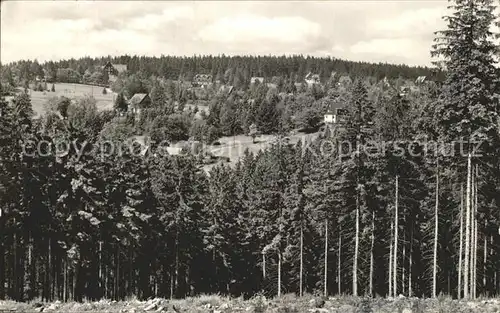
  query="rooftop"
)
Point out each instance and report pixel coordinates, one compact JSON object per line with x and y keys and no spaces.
{"x":137,"y":98}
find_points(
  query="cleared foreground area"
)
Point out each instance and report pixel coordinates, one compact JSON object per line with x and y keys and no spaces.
{"x":259,"y":304}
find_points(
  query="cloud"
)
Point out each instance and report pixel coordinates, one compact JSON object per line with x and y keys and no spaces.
{"x":254,"y":34}
{"x":245,"y":28}
{"x":409,"y":24}
{"x":154,"y":21}
{"x":393,"y":31}
{"x":394,"y":50}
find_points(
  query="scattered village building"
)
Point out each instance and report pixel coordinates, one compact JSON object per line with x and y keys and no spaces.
{"x":404,"y":91}
{"x":183,"y":147}
{"x":113,"y":70}
{"x":255,"y":79}
{"x":46,"y":74}
{"x":202,"y":80}
{"x":420,"y":80}
{"x":200,"y":115}
{"x":330,"y":117}
{"x":141,"y":142}
{"x":138,"y":102}
{"x":272,"y":86}
{"x":174,"y":150}
{"x":226,"y":90}
{"x":283,"y":95}
{"x":335,"y":114}
{"x":386,"y":83}
{"x":344,"y":81}
{"x":298,"y":86}
{"x":312,"y":79}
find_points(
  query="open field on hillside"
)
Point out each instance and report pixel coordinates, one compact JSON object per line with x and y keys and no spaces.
{"x":234,"y":147}
{"x":285,"y":304}
{"x":72,"y":91}
{"x":76,"y":91}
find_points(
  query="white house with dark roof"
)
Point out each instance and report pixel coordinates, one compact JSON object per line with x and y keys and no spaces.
{"x":420,"y":80}
{"x":138,"y":102}
{"x":271,"y":86}
{"x":226,"y":89}
{"x":113,"y":70}
{"x":312,"y":79}
{"x":202,"y":80}
{"x":256,"y":79}
{"x":335,"y":114}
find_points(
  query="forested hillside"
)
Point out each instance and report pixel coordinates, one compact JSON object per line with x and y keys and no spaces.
{"x":403,"y":198}
{"x":235,"y":70}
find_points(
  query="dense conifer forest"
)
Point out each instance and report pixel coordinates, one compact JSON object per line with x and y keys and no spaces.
{"x":226,"y":69}
{"x":403,"y":198}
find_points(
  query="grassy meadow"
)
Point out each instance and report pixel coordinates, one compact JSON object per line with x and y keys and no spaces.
{"x":72,"y":91}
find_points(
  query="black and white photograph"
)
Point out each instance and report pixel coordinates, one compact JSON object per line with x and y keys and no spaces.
{"x":241,"y":156}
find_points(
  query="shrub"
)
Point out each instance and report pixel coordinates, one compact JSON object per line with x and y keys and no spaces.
{"x":364,"y":306}
{"x":259,"y":304}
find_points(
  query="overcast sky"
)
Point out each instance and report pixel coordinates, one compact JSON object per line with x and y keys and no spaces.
{"x":386,"y":31}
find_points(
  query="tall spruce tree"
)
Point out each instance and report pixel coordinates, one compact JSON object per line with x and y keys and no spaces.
{"x":469,"y":103}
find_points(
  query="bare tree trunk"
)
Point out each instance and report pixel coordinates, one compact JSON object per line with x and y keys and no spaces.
{"x":117,"y":294}
{"x":75,"y":282}
{"x":100,"y":267}
{"x":473,"y":236}
{"x":15,"y":276}
{"x":106,"y":280}
{"x":3,"y":263}
{"x":473,"y":263}
{"x":188,"y":282}
{"x":356,"y":249}
{"x":301,"y":259}
{"x":390,"y":258}
{"x":30,"y":270}
{"x":371,"y":254}
{"x":176,"y":281}
{"x":50,"y":271}
{"x":467,"y":229}
{"x":263,"y":265}
{"x":475,"y":199}
{"x":485,"y":258}
{"x":2,"y":269}
{"x":395,"y":270}
{"x":492,"y":278}
{"x":339,"y":269}
{"x":474,"y":290}
{"x":56,"y":275}
{"x":403,"y":275}
{"x":459,"y":289}
{"x":279,"y":273}
{"x":410,"y":266}
{"x":131,"y":270}
{"x":325,"y":280}
{"x":436,"y":225}
{"x":65,"y":278}
{"x":171,"y":284}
